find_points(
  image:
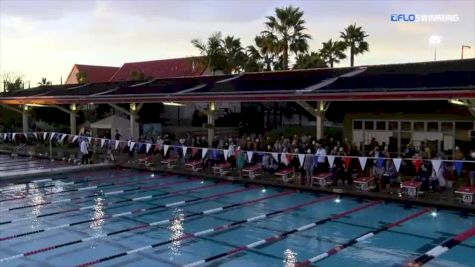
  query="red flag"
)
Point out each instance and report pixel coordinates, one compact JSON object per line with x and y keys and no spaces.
{"x":417,"y":164}
{"x":347,"y":161}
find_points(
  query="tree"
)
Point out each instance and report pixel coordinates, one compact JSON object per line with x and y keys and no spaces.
{"x":354,"y":38}
{"x":213,"y":51}
{"x":44,"y":82}
{"x":288,"y":28}
{"x":235,"y":57}
{"x":332,"y":52}
{"x":268,"y":46}
{"x":309,"y":61}
{"x":81,"y":77}
{"x":254,"y":60}
{"x":12,"y":81}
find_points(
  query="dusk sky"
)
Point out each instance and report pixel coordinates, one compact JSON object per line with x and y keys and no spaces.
{"x":45,"y":38}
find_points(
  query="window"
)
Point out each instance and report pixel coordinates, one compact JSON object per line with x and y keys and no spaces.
{"x":357,"y":125}
{"x":447,"y":126}
{"x":406,"y":126}
{"x":380,"y":125}
{"x":464,"y":125}
{"x":418,"y":126}
{"x":392,"y":126}
{"x":369,"y":125}
{"x":433,"y":126}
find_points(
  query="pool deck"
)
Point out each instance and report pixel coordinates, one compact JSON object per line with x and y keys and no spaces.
{"x":445,"y":200}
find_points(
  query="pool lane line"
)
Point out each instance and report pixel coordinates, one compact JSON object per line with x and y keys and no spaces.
{"x":360,"y":238}
{"x":442,"y":248}
{"x":102,"y":178}
{"x":116,"y":192}
{"x":51,"y":183}
{"x":84,"y":175}
{"x":116,"y":202}
{"x":90,"y":187}
{"x":25,"y":195}
{"x":207,"y":231}
{"x":121,"y":214}
{"x":49,"y":248}
{"x":282,"y":235}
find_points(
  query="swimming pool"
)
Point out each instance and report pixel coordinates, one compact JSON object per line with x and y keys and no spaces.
{"x":134,"y":218}
{"x":9,"y":164}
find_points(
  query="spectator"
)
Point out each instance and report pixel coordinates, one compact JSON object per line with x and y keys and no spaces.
{"x":84,"y":149}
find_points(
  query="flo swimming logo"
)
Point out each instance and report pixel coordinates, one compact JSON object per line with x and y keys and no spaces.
{"x":424,"y":17}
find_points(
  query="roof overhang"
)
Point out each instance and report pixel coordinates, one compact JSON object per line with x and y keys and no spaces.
{"x":406,"y":95}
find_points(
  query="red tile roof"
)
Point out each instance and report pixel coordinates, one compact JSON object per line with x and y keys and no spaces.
{"x":94,"y":74}
{"x":166,"y":68}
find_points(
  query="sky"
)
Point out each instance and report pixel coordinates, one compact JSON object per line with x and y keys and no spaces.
{"x":46,"y":38}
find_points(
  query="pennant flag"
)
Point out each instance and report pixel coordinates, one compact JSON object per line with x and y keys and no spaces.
{"x":284,"y":159}
{"x":362,"y":162}
{"x":331,"y":160}
{"x":347,"y":161}
{"x":184,"y":150}
{"x":417,"y":164}
{"x":128,"y":143}
{"x":203,"y":152}
{"x":102,"y":142}
{"x":90,"y":139}
{"x":147,"y":147}
{"x":249,"y":155}
{"x":436,"y":163}
{"x":36,"y":136}
{"x":458,"y":167}
{"x":131,"y":146}
{"x":275,"y":155}
{"x":26,"y":135}
{"x":301,"y":159}
{"x":397,"y":163}
{"x":13,"y":136}
{"x":75,"y":138}
{"x":117,"y":142}
{"x":44,"y":135}
{"x":165,"y":149}
{"x":51,"y":136}
{"x":62,"y":137}
{"x":226,"y":152}
{"x":194,"y":150}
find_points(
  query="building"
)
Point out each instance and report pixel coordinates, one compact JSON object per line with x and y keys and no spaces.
{"x":90,"y":73}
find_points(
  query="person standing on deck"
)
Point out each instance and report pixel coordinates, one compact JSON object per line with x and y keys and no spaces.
{"x":84,"y":148}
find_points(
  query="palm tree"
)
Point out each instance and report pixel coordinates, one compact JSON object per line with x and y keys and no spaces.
{"x":309,"y":61}
{"x":333,"y":52}
{"x":254,"y":60}
{"x":287,"y":28}
{"x":44,"y":82}
{"x":213,"y":51}
{"x":235,"y":57}
{"x":354,"y":37}
{"x":268,"y":46}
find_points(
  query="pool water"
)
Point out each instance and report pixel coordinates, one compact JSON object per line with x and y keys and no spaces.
{"x":112,"y":217}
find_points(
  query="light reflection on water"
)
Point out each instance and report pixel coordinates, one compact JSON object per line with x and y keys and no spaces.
{"x":98,"y":217}
{"x":290,"y":258}
{"x":36,"y":199}
{"x":176,"y":232}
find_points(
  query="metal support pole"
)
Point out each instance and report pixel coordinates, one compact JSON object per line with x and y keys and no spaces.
{"x":211,"y":129}
{"x":24,"y":116}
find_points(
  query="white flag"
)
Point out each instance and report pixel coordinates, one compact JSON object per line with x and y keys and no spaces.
{"x":102,"y":142}
{"x":275,"y":155}
{"x":397,"y":163}
{"x":75,"y":138}
{"x":249,"y":155}
{"x":363,"y":162}
{"x":165,"y":149}
{"x":331,"y":160}
{"x":90,"y":139}
{"x":44,"y":135}
{"x":62,"y":137}
{"x":13,"y":136}
{"x":117,"y":142}
{"x":147,"y":147}
{"x":436,"y":163}
{"x":203,"y":152}
{"x":51,"y":136}
{"x":132,"y":144}
{"x":226,"y":153}
{"x":26,"y":135}
{"x":184,"y":150}
{"x":301,"y":159}
{"x":36,"y":136}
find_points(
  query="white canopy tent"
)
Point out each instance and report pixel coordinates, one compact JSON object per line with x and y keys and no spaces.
{"x":114,"y":123}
